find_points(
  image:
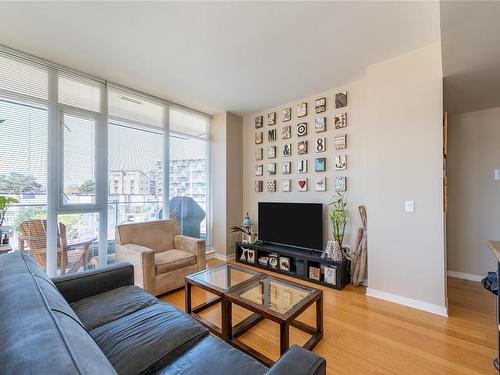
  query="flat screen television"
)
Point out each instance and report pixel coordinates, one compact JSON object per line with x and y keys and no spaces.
{"x":292,"y":224}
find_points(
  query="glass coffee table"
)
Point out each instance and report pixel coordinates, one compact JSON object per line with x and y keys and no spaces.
{"x":220,"y":281}
{"x":280,"y":301}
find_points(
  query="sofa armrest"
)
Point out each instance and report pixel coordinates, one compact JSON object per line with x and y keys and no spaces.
{"x":143,"y":260}
{"x":193,"y":245}
{"x":86,"y":284}
{"x":298,"y":361}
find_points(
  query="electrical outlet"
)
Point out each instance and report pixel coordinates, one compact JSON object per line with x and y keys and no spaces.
{"x":409,"y":206}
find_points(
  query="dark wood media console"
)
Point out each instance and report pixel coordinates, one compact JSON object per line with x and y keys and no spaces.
{"x":300,"y":262}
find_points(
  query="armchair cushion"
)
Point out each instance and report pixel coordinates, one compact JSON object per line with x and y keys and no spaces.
{"x":172,"y":260}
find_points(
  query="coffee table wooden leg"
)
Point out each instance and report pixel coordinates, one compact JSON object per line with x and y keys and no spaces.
{"x":187,"y":292}
{"x":319,"y":316}
{"x":227,"y":321}
{"x":284,"y":336}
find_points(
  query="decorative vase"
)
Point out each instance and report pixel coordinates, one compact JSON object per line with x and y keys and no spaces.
{"x":329,"y":249}
{"x":337,"y":255}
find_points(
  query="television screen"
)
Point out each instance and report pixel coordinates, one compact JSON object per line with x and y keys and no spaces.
{"x":292,"y":224}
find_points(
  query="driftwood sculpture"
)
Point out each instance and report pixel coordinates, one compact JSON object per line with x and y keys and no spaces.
{"x":358,"y":256}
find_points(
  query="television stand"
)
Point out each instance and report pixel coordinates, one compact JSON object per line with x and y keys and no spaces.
{"x":302,"y":264}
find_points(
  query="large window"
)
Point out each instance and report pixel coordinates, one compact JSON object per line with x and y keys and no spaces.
{"x":23,"y":168}
{"x":81,"y":157}
{"x":188,"y":173}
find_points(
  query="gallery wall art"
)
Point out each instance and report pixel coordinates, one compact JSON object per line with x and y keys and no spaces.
{"x":286,"y":114}
{"x":341,"y":100}
{"x":292,"y":138}
{"x":320,"y":105}
{"x":302,"y":110}
{"x":302,"y":129}
{"x":271,"y":118}
{"x":259,"y":122}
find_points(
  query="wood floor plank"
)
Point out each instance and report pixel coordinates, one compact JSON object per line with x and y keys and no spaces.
{"x":365,"y":335}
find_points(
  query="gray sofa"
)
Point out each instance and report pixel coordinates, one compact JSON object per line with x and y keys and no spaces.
{"x":98,"y":322}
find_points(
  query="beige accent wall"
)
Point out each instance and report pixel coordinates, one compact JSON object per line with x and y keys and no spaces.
{"x":474,"y":195}
{"x":226,"y":181}
{"x":394,"y":138}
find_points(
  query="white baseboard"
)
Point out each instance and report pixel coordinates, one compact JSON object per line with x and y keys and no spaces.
{"x":465,"y":276}
{"x":410,"y":302}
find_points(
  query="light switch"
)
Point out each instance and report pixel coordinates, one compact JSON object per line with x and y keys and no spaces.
{"x":497,"y":174}
{"x":409,"y":206}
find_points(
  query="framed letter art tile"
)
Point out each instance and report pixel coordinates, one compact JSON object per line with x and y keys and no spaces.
{"x":286,"y":114}
{"x":271,"y":118}
{"x":302,"y":184}
{"x":271,"y":186}
{"x":320,"y":184}
{"x":302,"y":166}
{"x":285,"y":185}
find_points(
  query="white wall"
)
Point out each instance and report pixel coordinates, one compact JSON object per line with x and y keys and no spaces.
{"x":394,"y":153}
{"x":406,"y":256}
{"x":474,"y":196}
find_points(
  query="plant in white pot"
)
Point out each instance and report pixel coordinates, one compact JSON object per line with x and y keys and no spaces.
{"x":338,"y":219}
{"x":5,"y":203}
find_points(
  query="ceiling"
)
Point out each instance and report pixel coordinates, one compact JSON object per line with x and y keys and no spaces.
{"x":241,"y":57}
{"x":470,"y":42}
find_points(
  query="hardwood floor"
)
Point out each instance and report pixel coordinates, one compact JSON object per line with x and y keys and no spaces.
{"x":365,"y":335}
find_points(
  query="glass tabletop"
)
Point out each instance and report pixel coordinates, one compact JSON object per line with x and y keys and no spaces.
{"x":275,"y":294}
{"x":224,"y":277}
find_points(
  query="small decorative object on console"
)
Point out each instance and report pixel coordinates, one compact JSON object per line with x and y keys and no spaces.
{"x":285,"y":264}
{"x":250,"y":256}
{"x":314,"y":273}
{"x":263,"y":261}
{"x":273,"y":261}
{"x":330,"y":275}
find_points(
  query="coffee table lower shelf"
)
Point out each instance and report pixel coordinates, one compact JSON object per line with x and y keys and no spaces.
{"x":285,"y":324}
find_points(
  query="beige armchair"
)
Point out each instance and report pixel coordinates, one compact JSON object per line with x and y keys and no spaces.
{"x":160,"y":256}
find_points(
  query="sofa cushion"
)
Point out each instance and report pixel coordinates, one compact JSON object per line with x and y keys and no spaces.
{"x":214,"y":356}
{"x":114,"y":304}
{"x":147,"y":339}
{"x":38,"y":331}
{"x":172,"y":260}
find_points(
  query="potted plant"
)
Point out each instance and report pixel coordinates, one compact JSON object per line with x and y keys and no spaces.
{"x":338,"y":219}
{"x":5,"y":203}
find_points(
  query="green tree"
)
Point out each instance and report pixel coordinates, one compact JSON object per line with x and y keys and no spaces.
{"x":87,"y":187}
{"x":17,"y":183}
{"x":29,"y":214}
